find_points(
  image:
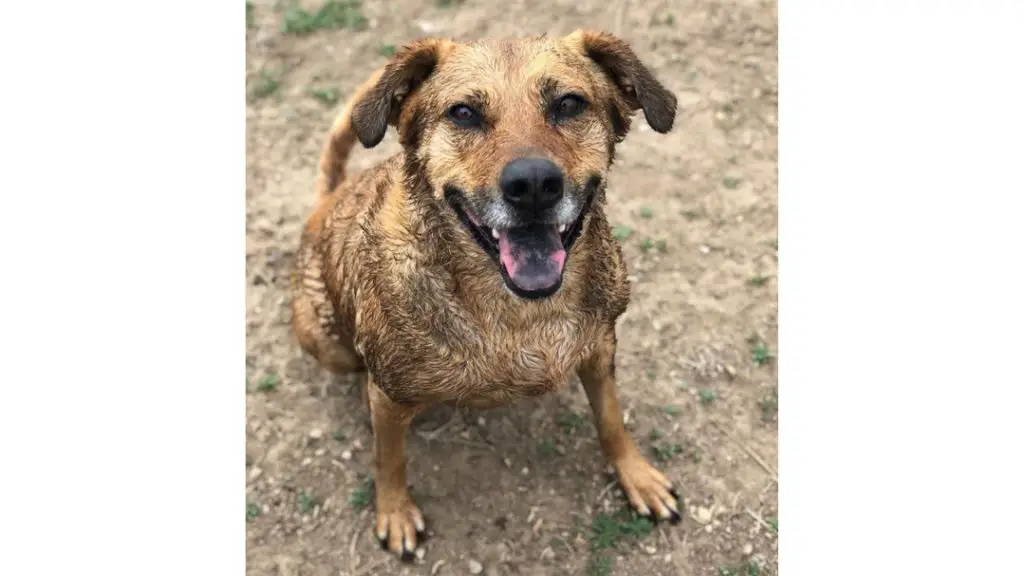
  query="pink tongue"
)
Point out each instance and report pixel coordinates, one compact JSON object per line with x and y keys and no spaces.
{"x":533,"y":256}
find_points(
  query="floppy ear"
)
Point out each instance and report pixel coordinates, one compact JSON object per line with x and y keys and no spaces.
{"x":382,"y":103}
{"x":639,"y":88}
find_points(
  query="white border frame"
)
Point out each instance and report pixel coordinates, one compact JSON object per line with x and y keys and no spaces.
{"x":122,"y":421}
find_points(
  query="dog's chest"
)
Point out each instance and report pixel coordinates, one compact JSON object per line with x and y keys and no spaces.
{"x":425,"y":346}
{"x":519,"y":361}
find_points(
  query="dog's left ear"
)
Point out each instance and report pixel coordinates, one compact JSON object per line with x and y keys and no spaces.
{"x":635,"y":82}
{"x":382,"y":104}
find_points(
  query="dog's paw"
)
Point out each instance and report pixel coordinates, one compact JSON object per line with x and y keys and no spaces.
{"x":399,"y":525}
{"x":647,"y":489}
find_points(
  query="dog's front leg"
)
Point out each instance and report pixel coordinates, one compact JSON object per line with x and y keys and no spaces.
{"x":647,"y":489}
{"x":398,"y":518}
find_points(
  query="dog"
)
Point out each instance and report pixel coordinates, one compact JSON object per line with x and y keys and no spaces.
{"x":477,"y":266}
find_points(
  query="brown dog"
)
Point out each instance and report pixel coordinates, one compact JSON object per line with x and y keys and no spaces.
{"x":477,"y":267}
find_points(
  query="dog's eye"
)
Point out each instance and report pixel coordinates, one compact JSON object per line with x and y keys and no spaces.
{"x":464,"y":115}
{"x":568,"y":107}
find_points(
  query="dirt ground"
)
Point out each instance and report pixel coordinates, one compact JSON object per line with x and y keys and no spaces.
{"x":523,"y":489}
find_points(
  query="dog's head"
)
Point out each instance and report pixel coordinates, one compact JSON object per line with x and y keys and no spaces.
{"x":515,"y":137}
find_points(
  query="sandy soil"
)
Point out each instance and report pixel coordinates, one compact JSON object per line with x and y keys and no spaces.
{"x":522,"y":489}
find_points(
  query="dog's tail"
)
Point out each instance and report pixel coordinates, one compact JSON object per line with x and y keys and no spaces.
{"x":340,"y":141}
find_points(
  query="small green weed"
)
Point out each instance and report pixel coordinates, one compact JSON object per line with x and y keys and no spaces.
{"x":773,"y":522}
{"x":664,"y":452}
{"x":387,"y":50}
{"x":360,"y":497}
{"x":249,"y":14}
{"x":252,"y":511}
{"x":667,"y":20}
{"x":621,"y":233}
{"x":264,"y":85}
{"x":757,"y":280}
{"x":599,"y":565}
{"x":339,"y":435}
{"x":707,"y":396}
{"x":330,"y":16}
{"x":667,"y":451}
{"x":570,"y":422}
{"x":546,"y":448}
{"x":268,"y":383}
{"x":671,"y":409}
{"x":646,"y":212}
{"x":326,"y":96}
{"x":606,"y":531}
{"x":759,"y":352}
{"x":770,"y":406}
{"x":731,"y":182}
{"x":307,"y":501}
{"x":655,"y":434}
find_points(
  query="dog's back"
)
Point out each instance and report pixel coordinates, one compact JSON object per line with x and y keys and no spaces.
{"x":322,"y":318}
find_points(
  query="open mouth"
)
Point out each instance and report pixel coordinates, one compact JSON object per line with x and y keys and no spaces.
{"x":531,"y":257}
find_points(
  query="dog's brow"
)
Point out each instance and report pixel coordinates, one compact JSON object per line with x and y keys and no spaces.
{"x":549,"y":89}
{"x":552,"y":87}
{"x":476,"y":98}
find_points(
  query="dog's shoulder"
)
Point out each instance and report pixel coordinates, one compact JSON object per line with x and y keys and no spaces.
{"x":605,"y":274}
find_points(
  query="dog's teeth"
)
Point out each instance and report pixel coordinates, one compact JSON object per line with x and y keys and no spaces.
{"x":563,"y":227}
{"x":494,"y":233}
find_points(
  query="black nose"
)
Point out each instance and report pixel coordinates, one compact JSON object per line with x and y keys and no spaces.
{"x":531,"y":183}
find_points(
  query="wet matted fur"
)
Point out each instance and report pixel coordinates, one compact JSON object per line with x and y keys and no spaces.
{"x":477,"y":266}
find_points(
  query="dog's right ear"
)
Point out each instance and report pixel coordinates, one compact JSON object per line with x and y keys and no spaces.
{"x":381,"y":105}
